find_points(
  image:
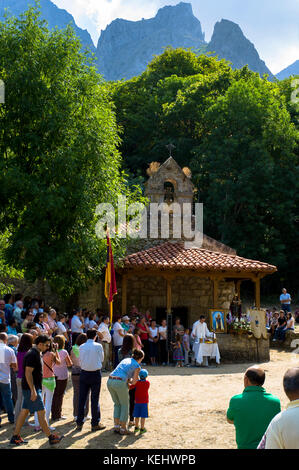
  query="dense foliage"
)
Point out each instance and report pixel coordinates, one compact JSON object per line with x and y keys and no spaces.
{"x":239,"y":135}
{"x":59,"y":157}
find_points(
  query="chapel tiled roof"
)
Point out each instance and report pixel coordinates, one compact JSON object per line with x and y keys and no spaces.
{"x":175,"y":256}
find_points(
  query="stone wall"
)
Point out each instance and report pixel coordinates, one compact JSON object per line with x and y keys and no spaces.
{"x":93,"y":297}
{"x":38,"y":289}
{"x":241,"y":348}
{"x":195,"y":293}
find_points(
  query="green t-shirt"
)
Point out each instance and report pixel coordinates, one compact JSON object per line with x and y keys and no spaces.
{"x":251,"y":412}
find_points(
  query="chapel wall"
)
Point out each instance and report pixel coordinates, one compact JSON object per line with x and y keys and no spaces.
{"x":195,"y":293}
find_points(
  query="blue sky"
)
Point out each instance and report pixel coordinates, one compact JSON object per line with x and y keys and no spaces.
{"x":272,"y":25}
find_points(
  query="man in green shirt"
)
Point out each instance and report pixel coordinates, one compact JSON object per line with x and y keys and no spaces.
{"x":252,"y":410}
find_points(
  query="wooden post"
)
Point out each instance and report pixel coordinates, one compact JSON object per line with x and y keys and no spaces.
{"x":168,"y":302}
{"x":215,"y":293}
{"x":257,"y":284}
{"x":238,"y":288}
{"x":124,"y":282}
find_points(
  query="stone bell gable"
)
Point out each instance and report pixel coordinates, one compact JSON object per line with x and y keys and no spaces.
{"x":169,"y":183}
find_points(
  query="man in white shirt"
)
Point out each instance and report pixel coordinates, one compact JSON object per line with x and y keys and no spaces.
{"x":285,"y":300}
{"x":77,"y":326}
{"x":283,"y":431}
{"x":118,"y":337}
{"x":200,"y":332}
{"x":7,"y":360}
{"x":91,"y":356}
{"x":105,"y":340}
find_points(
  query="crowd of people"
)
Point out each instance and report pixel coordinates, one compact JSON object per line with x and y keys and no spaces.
{"x":38,"y":348}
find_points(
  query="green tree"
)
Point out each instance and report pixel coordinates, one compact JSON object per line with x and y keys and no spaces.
{"x":166,"y":104}
{"x":59,"y":157}
{"x":247,"y":172}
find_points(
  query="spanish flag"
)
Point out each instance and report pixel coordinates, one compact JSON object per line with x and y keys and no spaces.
{"x":110,"y":281}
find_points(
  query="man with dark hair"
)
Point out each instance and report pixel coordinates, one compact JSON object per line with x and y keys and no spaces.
{"x":252,"y":410}
{"x":91,"y":356}
{"x":32,"y":391}
{"x":283,"y":431}
{"x":200,"y":332}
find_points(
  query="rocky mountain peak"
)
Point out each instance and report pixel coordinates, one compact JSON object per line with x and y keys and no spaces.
{"x":228,"y":42}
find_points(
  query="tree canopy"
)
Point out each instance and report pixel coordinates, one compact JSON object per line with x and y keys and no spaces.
{"x":238,"y":133}
{"x":59,"y":156}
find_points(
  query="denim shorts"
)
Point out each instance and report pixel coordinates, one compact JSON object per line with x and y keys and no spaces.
{"x":32,"y":406}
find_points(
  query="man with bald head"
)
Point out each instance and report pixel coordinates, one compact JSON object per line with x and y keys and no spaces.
{"x":283,"y":431}
{"x":252,"y":410}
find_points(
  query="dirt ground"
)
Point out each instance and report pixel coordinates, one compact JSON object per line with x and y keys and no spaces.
{"x":187,"y":410}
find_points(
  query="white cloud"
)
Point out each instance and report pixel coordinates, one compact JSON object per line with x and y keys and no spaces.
{"x":272,"y":25}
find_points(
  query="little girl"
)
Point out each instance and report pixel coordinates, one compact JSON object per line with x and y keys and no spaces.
{"x":137,"y":341}
{"x":186,"y":346}
{"x":178,"y":354}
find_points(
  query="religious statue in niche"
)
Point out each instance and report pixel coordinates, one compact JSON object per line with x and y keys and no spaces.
{"x":168,"y":193}
{"x":236,"y":307}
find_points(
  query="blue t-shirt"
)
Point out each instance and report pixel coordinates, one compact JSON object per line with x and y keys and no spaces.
{"x":285,"y":297}
{"x":126,"y":368}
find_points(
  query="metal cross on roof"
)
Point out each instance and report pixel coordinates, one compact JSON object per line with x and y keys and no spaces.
{"x":170,"y":147}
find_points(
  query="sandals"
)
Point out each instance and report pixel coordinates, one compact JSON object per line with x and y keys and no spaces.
{"x":125,"y":432}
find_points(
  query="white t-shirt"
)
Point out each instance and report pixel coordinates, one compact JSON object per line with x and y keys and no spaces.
{"x":61,"y":328}
{"x":153,"y":332}
{"x":76,"y":325}
{"x":163,"y":330}
{"x":283,"y":431}
{"x":7,"y":357}
{"x":92,"y":324}
{"x":117,"y":339}
{"x":285,"y":297}
{"x":103,"y":328}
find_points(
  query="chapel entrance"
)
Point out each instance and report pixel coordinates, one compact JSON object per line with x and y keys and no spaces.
{"x":181,"y":312}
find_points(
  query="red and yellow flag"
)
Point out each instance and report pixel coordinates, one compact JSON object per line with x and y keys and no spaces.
{"x":110,"y":281}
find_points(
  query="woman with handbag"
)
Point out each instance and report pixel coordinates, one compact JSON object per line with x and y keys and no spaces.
{"x":50,"y":359}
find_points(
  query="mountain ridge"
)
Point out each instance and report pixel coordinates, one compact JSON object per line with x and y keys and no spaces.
{"x":54,"y":15}
{"x":292,"y":69}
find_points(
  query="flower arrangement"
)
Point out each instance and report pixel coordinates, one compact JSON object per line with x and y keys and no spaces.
{"x":242,"y":326}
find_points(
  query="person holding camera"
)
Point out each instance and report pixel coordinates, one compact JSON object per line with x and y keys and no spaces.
{"x":50,"y":359}
{"x":153,"y":342}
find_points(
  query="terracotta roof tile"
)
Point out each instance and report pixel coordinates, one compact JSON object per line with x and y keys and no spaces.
{"x":176,"y":256}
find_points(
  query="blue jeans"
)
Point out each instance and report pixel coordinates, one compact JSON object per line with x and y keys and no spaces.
{"x":286,"y":307}
{"x":90,"y":381}
{"x":280,"y":333}
{"x":5,"y":391}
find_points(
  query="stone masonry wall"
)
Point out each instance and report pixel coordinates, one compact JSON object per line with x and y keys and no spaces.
{"x":149,"y":293}
{"x":240,"y":348}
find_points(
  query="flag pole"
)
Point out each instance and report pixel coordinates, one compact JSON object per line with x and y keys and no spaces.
{"x":111,"y":311}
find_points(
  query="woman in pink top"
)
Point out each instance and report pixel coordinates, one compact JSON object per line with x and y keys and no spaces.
{"x":50,"y":359}
{"x":61,"y":376}
{"x":137,"y":341}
